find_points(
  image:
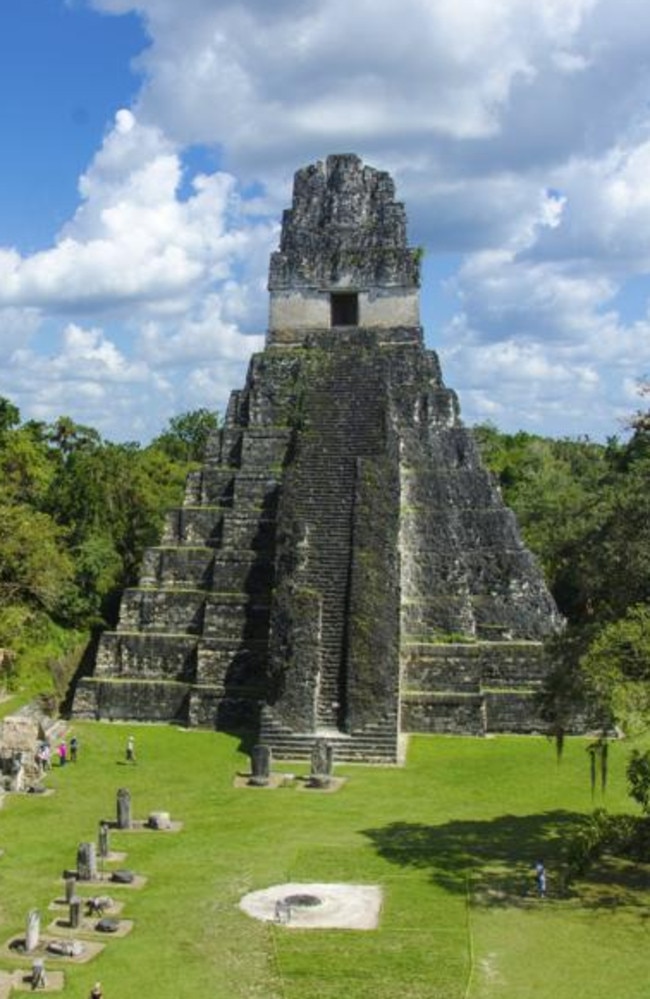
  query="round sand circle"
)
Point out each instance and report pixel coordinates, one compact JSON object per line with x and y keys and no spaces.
{"x":316,"y":906}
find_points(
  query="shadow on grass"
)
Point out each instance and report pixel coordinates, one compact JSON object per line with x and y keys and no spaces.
{"x":496,"y":860}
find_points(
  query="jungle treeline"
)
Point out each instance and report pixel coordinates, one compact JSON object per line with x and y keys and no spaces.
{"x":584,"y":509}
{"x":77,"y":512}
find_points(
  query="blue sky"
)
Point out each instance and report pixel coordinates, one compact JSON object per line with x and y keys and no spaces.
{"x":148,"y":150}
{"x":64,"y":72}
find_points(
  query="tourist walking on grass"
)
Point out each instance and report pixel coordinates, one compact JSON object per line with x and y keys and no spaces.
{"x":43,"y":756}
{"x":540,"y":878}
{"x":130,"y":750}
{"x":74,"y":748}
{"x":63,"y":753}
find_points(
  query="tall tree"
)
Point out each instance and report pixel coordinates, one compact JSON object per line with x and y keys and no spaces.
{"x":185,"y":437}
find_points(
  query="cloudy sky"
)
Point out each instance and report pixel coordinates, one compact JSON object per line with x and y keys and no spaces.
{"x":148,"y":150}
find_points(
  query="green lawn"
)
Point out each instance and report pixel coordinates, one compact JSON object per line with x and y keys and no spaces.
{"x":451,"y":838}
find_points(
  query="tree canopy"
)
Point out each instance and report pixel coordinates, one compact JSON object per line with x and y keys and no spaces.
{"x":76,"y":513}
{"x":584,"y":509}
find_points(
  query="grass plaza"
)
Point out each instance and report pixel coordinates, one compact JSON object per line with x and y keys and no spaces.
{"x":451,"y":839}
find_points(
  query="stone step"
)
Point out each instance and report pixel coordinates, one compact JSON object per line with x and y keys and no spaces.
{"x":194,"y":526}
{"x":162,"y":611}
{"x":376,"y":744}
{"x":230,"y":617}
{"x":204,"y":525}
{"x":248,"y":572}
{"x":177,"y":567}
{"x":247,"y":532}
{"x":166,"y":657}
{"x":232,"y":665}
{"x":210,"y":486}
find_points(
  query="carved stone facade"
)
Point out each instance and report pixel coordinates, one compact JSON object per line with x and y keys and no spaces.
{"x":342,"y":565}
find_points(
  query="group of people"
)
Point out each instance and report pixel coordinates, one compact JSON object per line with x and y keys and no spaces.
{"x":65,"y":751}
{"x":69,"y":751}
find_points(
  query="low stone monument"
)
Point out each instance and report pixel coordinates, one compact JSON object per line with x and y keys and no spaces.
{"x":106,"y":925}
{"x":123,"y":808}
{"x":86,"y":862}
{"x":260,"y":766}
{"x":33,"y":931}
{"x":123,"y":877}
{"x":66,"y":948}
{"x":75,"y":912}
{"x":103,"y":844}
{"x":322,"y":763}
{"x":159,"y":820}
{"x":70,"y":888}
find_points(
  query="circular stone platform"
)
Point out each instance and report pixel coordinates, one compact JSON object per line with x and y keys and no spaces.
{"x":330,"y":906}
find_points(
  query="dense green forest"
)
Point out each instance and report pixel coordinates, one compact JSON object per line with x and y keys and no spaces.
{"x":76,"y":513}
{"x":584,"y":509}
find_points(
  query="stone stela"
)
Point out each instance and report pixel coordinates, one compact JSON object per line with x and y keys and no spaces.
{"x":322,"y":764}
{"x":75,"y":912}
{"x":103,"y":843}
{"x":124,"y":820}
{"x":32,"y":931}
{"x":342,"y":558}
{"x":86,"y":862}
{"x":70,"y":889}
{"x":261,"y":762}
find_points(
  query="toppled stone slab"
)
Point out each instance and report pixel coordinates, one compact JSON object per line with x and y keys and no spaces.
{"x":274,"y":781}
{"x":321,"y":783}
{"x":91,"y":927}
{"x":145,"y":825}
{"x":57,"y":948}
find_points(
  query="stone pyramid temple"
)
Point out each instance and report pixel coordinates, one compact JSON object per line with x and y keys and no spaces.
{"x":343,"y":566}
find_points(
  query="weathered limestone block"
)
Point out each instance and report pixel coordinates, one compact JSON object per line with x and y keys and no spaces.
{"x":256,"y":490}
{"x":230,"y":664}
{"x":231,"y":616}
{"x":177,"y":567}
{"x":248,"y":531}
{"x":197,"y":526}
{"x":212,"y":486}
{"x":512,"y":711}
{"x":444,"y":713}
{"x":141,"y":655}
{"x":135,"y":700}
{"x":178,"y":610}
{"x":242,"y":572}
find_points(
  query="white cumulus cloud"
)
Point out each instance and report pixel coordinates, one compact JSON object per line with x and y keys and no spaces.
{"x":519,"y":136}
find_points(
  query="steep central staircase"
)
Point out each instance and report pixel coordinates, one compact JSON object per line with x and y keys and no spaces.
{"x":345,"y":415}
